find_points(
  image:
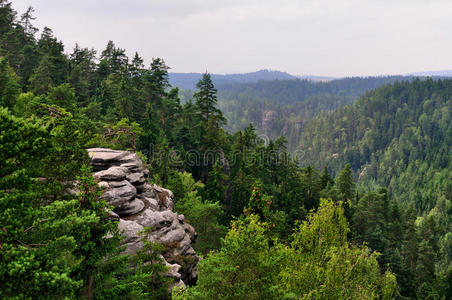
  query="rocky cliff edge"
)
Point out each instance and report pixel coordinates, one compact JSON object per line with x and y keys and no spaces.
{"x":138,"y":204}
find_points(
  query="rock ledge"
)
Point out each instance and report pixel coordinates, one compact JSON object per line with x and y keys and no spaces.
{"x":139,"y":204}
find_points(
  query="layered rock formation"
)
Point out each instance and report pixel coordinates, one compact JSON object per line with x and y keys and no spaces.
{"x":138,"y":204}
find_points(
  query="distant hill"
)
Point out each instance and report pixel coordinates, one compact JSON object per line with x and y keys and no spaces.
{"x":398,"y":136}
{"x":442,"y":73}
{"x":187,"y":81}
{"x":283,"y":107}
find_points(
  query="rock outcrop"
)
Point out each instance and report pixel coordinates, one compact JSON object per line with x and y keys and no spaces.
{"x":138,"y":204}
{"x":268,"y":119}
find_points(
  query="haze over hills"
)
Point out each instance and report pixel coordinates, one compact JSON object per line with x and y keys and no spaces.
{"x":280,"y":104}
{"x":441,"y":73}
{"x":282,"y":107}
{"x":188,"y":81}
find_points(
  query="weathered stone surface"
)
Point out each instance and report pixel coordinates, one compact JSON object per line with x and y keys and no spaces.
{"x":102,"y":157}
{"x":152,"y":203}
{"x":112,"y":216}
{"x":138,"y":204}
{"x":149,"y":191}
{"x":130,"y":208}
{"x":111,"y":174}
{"x":103,"y":184}
{"x":116,"y":184}
{"x":118,"y":196}
{"x":136,"y":178}
{"x":165,"y":196}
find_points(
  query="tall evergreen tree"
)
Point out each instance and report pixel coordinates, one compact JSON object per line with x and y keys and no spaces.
{"x":206,"y":101}
{"x":42,"y":80}
{"x":52,"y":244}
{"x":9,"y":86}
{"x":346,"y":186}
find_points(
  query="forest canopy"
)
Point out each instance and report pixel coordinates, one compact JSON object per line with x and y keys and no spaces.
{"x":365,"y":213}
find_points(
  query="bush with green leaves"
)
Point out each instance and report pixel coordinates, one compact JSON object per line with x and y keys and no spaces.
{"x":319,"y":263}
{"x":204,"y":215}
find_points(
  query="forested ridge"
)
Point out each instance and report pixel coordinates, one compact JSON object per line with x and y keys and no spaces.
{"x":284,"y":107}
{"x":396,"y":131}
{"x":270,"y":224}
{"x":399,"y":137}
{"x":187,"y":81}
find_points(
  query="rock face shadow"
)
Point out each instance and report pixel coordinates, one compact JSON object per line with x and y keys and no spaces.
{"x":138,"y":204}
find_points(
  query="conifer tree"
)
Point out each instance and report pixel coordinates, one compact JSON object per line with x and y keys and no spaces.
{"x":346,"y":187}
{"x":206,"y":101}
{"x":325,"y":178}
{"x":42,"y":80}
{"x":9,"y":86}
{"x":157,"y":81}
{"x":52,"y":244}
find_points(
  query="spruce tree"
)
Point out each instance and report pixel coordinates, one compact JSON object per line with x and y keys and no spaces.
{"x":346,"y":186}
{"x":9,"y":86}
{"x":206,"y":101}
{"x":53,"y":244}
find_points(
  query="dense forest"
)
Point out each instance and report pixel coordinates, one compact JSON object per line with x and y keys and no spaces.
{"x":270,"y":224}
{"x":284,"y":107}
{"x":187,"y":81}
{"x":400,"y":137}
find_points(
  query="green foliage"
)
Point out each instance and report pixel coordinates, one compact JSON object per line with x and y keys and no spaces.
{"x":41,"y":80}
{"x":62,"y":96}
{"x":51,"y":244}
{"x":215,"y":186}
{"x":244,"y":268}
{"x":389,"y":135}
{"x":318,"y":264}
{"x":204,"y":215}
{"x":100,"y":258}
{"x":206,"y":100}
{"x":285,"y":107}
{"x":398,"y":136}
{"x":371,"y":219}
{"x":9,"y":86}
{"x":122,"y":135}
{"x":143,"y":278}
{"x":26,"y":104}
{"x":321,"y":264}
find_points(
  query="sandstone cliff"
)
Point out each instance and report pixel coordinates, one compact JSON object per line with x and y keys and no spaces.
{"x":138,"y":204}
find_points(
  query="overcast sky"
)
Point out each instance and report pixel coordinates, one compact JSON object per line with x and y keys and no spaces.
{"x":316,"y":37}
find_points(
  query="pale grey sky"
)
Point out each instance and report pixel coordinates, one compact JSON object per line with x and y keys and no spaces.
{"x":316,"y":37}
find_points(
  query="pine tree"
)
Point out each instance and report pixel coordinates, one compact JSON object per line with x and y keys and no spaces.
{"x":42,"y":80}
{"x":62,"y":96}
{"x":25,"y":20}
{"x":9,"y":86}
{"x":7,"y":18}
{"x":325,"y":178}
{"x":346,"y":186}
{"x":157,"y":81}
{"x":204,"y":214}
{"x":206,"y":101}
{"x":53,"y":50}
{"x":52,"y":243}
{"x":215,"y":189}
{"x":81,"y":74}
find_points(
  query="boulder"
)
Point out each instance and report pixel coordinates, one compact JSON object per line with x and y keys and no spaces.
{"x":119,"y":196}
{"x":102,"y":159}
{"x":111,"y":174}
{"x":130,"y":208}
{"x":136,"y":178}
